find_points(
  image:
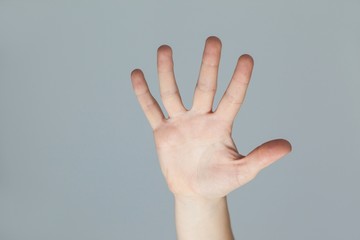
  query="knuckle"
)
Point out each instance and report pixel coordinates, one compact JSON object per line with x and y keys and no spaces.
{"x":232,"y":98}
{"x":203,"y":87}
{"x":149,"y":105}
{"x":245,"y":172}
{"x":169,"y":94}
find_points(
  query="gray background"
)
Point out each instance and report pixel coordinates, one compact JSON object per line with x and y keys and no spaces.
{"x":77,"y":158}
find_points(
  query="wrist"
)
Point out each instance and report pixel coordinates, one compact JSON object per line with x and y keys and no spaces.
{"x":197,"y":200}
{"x":202,"y":218}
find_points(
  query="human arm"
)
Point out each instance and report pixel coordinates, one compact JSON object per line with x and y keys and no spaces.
{"x":197,"y":154}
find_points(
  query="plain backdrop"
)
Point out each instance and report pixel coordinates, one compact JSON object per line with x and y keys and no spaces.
{"x":77,"y":158}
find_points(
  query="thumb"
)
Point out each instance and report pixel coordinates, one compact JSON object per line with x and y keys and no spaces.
{"x":266,"y":154}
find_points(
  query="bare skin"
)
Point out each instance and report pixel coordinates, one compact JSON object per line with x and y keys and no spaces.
{"x":197,"y":154}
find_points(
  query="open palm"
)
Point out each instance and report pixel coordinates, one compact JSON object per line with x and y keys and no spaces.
{"x":197,"y":154}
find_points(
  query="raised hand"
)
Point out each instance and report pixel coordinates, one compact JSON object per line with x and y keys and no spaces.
{"x":197,"y":154}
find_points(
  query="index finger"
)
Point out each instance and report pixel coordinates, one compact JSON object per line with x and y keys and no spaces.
{"x":235,"y":93}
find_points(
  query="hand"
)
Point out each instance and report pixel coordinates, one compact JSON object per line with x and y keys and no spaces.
{"x":197,"y":154}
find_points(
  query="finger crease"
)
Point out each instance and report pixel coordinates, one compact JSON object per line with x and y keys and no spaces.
{"x":167,"y":94}
{"x":232,"y":98}
{"x":205,"y":88}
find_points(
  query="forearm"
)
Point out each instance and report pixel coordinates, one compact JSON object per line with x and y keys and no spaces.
{"x":202,"y":219}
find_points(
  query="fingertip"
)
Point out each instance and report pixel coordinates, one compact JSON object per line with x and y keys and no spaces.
{"x":214,"y":41}
{"x":284,"y":144}
{"x":137,"y":80}
{"x":136,"y":73}
{"x":287,"y":145}
{"x":272,"y":150}
{"x":280,"y":147}
{"x":164,"y":49}
{"x":247,"y":58}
